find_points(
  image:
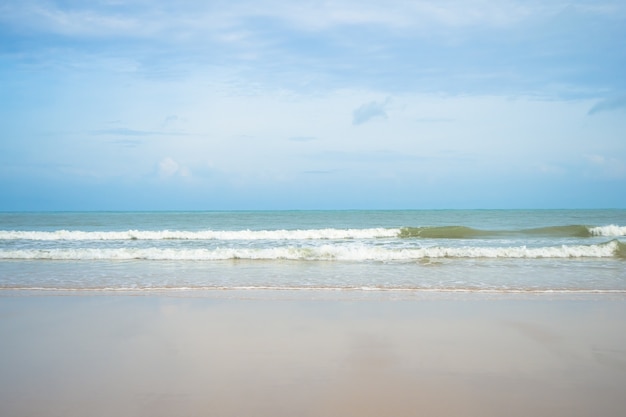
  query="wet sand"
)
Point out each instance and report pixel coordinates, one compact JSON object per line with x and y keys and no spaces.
{"x":311,"y":355}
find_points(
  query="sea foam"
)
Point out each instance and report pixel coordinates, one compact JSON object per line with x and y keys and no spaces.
{"x":608,"y":231}
{"x":320,"y":253}
{"x":440,"y":232}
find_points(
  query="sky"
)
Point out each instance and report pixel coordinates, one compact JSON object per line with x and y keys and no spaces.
{"x":344,"y":104}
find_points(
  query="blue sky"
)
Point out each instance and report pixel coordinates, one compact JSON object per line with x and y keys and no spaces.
{"x":264,"y":104}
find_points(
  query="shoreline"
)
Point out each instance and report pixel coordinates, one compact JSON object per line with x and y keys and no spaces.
{"x":216,"y":290}
{"x":228,"y":354}
{"x":323,"y":294}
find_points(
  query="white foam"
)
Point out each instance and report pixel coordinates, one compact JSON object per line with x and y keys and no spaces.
{"x":327,"y":289}
{"x":203,"y":235}
{"x":610,"y":231}
{"x":304,"y":234}
{"x":323,"y":252}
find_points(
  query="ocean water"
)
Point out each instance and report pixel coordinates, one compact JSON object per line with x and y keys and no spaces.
{"x":500,"y":251}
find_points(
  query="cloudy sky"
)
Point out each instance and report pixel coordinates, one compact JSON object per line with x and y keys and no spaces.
{"x":274,"y":104}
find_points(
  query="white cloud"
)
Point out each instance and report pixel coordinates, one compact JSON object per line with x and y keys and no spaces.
{"x":226,"y":20}
{"x":549,"y":169}
{"x":395,"y":15}
{"x":82,"y":22}
{"x":168,"y":167}
{"x":607,"y":167}
{"x":302,"y":138}
{"x":449,"y":46}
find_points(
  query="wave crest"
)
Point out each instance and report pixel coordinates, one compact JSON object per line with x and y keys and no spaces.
{"x":464,"y":232}
{"x":308,"y":234}
{"x":426,"y":232}
{"x":608,"y":231}
{"x":443,"y":232}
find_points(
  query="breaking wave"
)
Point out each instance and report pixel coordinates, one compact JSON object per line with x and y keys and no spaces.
{"x":609,"y":231}
{"x":609,"y":249}
{"x":436,"y":232}
{"x":204,"y":235}
{"x":464,"y":232}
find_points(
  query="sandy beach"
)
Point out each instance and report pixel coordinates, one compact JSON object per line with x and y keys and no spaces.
{"x":257,"y":354}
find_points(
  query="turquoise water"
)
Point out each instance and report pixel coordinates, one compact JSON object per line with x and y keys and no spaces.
{"x":434,"y":250}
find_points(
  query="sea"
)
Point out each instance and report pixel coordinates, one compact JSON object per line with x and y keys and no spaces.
{"x":357,"y":251}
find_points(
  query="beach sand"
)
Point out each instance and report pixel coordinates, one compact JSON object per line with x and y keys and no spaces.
{"x":308,"y":354}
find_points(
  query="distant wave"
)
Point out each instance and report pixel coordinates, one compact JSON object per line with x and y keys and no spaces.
{"x":612,"y":248}
{"x":204,"y":235}
{"x":437,"y":232}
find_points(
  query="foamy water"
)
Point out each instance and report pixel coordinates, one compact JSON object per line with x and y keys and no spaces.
{"x":324,"y":252}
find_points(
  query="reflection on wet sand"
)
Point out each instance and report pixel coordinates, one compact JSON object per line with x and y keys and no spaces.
{"x":160,"y":355}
